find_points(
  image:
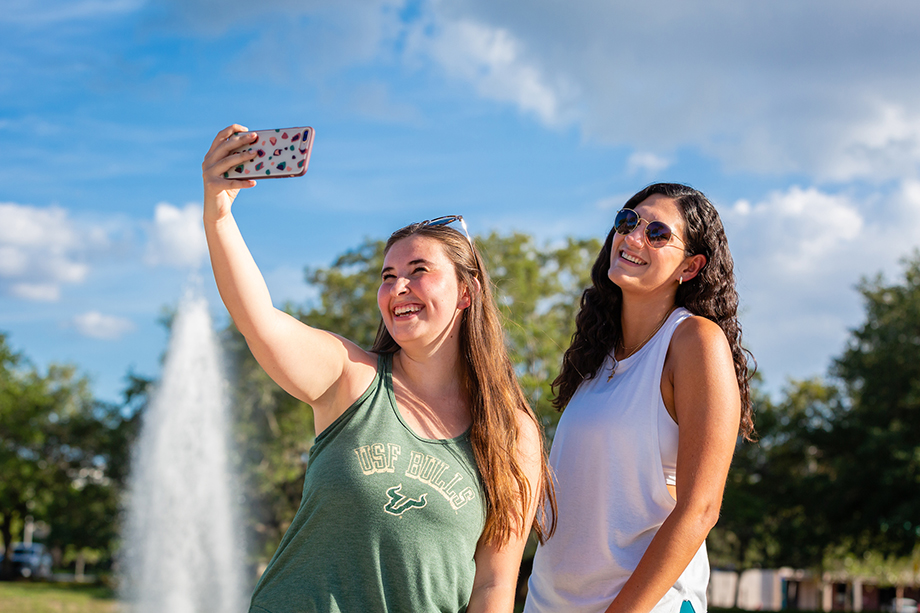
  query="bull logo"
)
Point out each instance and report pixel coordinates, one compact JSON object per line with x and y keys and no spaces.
{"x":400,"y":503}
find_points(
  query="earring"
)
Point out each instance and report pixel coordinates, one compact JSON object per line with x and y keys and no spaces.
{"x":680,"y":280}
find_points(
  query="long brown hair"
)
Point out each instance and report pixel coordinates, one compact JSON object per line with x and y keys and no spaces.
{"x":496,"y":399}
{"x":710,"y":294}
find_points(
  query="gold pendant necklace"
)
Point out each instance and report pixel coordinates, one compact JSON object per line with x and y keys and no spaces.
{"x":616,"y":362}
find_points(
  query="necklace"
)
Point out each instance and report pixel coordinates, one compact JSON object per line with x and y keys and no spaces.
{"x":616,"y":362}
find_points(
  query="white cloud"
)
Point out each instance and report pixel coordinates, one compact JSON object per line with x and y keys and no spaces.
{"x":38,"y":292}
{"x":822,"y":88}
{"x":808,"y":89}
{"x":909,"y":206}
{"x":42,"y":249}
{"x":13,"y":261}
{"x":884,"y":144}
{"x":498,"y":66}
{"x":106,"y":327}
{"x":176,"y":237}
{"x":28,"y":226}
{"x":309,"y":39}
{"x":800,"y":231}
{"x":799,"y":254}
{"x":647,"y":163}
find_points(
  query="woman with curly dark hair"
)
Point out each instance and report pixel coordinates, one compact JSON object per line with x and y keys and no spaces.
{"x":655,"y":391}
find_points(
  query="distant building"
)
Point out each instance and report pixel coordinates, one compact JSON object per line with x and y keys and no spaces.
{"x":786,"y":588}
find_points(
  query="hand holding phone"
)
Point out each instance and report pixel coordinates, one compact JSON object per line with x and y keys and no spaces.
{"x":280,"y":152}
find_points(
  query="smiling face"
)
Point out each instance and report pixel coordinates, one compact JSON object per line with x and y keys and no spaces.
{"x":419,"y":297}
{"x":636,"y":266}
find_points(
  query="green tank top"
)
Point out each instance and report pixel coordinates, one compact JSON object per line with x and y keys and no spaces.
{"x":389,"y":521}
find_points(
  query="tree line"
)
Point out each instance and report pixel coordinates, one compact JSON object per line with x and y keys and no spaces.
{"x":833,"y":481}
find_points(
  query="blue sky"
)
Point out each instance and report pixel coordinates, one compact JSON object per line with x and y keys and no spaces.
{"x":801,"y":120}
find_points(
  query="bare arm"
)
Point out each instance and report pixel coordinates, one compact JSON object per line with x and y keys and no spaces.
{"x":497,"y":567}
{"x":315,"y":366}
{"x":707,"y":404}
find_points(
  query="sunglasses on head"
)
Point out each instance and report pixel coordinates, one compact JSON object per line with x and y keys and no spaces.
{"x":657,"y":233}
{"x":449,"y":219}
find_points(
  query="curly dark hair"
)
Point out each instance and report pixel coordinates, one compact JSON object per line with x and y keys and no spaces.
{"x":710,"y":294}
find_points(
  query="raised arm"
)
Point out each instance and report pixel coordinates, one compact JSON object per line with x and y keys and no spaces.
{"x":315,"y":366}
{"x":699,"y":385}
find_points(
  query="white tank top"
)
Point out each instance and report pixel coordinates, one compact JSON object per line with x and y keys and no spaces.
{"x":613,"y":451}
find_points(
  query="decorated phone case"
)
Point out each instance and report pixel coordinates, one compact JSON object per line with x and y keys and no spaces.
{"x":282,"y":152}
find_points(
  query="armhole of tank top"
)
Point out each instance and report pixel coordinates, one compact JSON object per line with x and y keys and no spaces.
{"x":683,"y":316}
{"x":371,"y":389}
{"x":670,"y":479}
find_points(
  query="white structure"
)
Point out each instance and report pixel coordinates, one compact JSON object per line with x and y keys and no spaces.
{"x":765,"y":590}
{"x":723,"y":587}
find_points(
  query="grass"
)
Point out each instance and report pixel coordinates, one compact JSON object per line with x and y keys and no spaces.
{"x":39,"y":597}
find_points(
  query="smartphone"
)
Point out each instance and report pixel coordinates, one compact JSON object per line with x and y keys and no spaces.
{"x":281,"y":152}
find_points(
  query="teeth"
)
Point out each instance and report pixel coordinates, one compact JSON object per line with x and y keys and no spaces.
{"x":402,"y":310}
{"x":630,"y":258}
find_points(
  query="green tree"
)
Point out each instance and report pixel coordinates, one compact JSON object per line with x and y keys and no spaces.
{"x":84,"y":513}
{"x":773,"y":509}
{"x":538,"y":290}
{"x":348,"y":294}
{"x":273,"y":435}
{"x":835,"y":479}
{"x":57,"y":447}
{"x":874,"y":453}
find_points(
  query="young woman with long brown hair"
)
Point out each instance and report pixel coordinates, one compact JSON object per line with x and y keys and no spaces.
{"x":655,"y":391}
{"x":428,"y":469}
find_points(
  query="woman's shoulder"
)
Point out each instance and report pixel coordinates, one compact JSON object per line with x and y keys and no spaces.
{"x":699,"y":363}
{"x":697,"y":327}
{"x":696,"y":337}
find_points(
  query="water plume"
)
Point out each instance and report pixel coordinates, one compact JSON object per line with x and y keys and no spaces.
{"x":182,"y":552}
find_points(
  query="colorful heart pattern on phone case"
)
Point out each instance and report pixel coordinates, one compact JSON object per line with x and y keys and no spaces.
{"x":283,"y":152}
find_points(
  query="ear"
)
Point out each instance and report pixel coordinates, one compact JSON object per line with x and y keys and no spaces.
{"x":465,"y":298}
{"x":692,"y":266}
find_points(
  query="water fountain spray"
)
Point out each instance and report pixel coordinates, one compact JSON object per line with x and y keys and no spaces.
{"x":182,"y":552}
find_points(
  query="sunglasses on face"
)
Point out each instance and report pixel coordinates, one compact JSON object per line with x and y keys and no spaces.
{"x":449,"y":219}
{"x":657,"y":233}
